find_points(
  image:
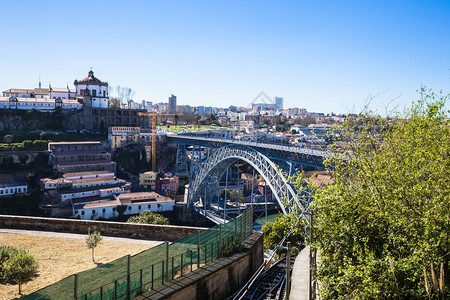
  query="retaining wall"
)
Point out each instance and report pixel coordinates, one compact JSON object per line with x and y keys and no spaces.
{"x":216,"y":280}
{"x":157,"y":232}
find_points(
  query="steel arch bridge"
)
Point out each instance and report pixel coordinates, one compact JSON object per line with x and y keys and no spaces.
{"x":215,"y":166}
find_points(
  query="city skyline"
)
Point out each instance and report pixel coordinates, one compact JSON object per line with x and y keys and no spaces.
{"x":325,"y":57}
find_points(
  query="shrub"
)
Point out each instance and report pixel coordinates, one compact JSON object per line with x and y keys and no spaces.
{"x":148,"y":217}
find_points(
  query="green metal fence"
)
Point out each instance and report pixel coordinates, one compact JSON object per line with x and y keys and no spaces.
{"x":129,"y":276}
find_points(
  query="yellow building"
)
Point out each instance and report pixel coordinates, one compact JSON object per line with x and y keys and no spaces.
{"x":148,"y":179}
{"x":119,"y":134}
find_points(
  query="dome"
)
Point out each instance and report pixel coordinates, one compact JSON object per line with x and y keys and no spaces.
{"x":90,"y":80}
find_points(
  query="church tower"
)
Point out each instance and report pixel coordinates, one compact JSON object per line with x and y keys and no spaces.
{"x":98,"y":90}
{"x":87,"y":110}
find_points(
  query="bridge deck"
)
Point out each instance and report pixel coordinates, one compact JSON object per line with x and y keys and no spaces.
{"x":193,"y":140}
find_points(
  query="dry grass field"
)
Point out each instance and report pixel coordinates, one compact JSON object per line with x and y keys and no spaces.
{"x":59,"y":257}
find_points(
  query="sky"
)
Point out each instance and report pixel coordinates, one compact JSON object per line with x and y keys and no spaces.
{"x":325,"y":56}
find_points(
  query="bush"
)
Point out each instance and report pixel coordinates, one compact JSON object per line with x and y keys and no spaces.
{"x":234,"y":246}
{"x":148,"y":217}
{"x":275,"y":231}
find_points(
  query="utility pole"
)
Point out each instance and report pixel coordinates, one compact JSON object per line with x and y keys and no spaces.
{"x":288,"y":270}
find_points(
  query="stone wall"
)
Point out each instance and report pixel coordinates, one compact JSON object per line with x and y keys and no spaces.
{"x":157,"y":232}
{"x":216,"y":280}
{"x":21,"y":120}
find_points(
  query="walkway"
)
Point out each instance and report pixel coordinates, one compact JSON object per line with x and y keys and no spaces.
{"x":300,"y":276}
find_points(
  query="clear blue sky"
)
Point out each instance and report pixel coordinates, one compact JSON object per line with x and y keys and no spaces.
{"x":325,"y":56}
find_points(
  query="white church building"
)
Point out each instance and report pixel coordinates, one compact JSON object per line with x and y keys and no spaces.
{"x":47,"y":100}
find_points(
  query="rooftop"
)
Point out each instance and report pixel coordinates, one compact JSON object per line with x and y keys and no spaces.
{"x":84,"y":162}
{"x":95,"y":180}
{"x":91,"y":199}
{"x":45,"y":100}
{"x":75,"y":143}
{"x":92,"y":188}
{"x":81,"y":174}
{"x":146,"y":200}
{"x":97,"y":204}
{"x":63,"y":90}
{"x":79,"y":152}
{"x":139,"y":195}
{"x":11,"y":183}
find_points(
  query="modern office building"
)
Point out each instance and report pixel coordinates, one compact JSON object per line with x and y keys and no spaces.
{"x":172,"y":104}
{"x":278,"y":101}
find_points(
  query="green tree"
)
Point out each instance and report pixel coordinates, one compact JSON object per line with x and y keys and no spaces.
{"x":236,"y":195}
{"x":275,"y":231}
{"x":23,"y":159}
{"x":383,"y":221}
{"x":17,"y":265}
{"x":212,"y":118}
{"x":8,"y":162}
{"x":31,"y":179}
{"x":92,"y":241}
{"x":121,"y":209}
{"x":148,"y":217}
{"x":197,"y":118}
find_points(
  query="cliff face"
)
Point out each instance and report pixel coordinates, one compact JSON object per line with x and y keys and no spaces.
{"x":21,"y":120}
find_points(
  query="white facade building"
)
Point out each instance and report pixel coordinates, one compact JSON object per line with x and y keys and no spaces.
{"x":41,"y":104}
{"x":47,"y":100}
{"x":10,"y":188}
{"x":135,"y":202}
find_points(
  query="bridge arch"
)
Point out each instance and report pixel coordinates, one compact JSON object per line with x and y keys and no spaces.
{"x":214,"y":167}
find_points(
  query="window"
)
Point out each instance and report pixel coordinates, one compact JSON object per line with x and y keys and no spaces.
{"x":93,"y":211}
{"x":104,"y":210}
{"x":129,"y":207}
{"x":82,"y":212}
{"x":139,"y":207}
{"x":149,"y":206}
{"x":94,"y":93}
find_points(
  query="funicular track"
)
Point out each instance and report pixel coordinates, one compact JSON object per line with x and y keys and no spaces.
{"x":270,"y":284}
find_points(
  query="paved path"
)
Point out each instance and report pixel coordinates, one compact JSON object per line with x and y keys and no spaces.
{"x":77,"y":236}
{"x":300,"y":276}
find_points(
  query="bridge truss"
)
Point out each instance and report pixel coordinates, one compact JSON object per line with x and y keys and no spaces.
{"x":206,"y":181}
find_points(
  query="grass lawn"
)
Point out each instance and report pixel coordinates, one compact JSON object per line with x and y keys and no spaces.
{"x":59,"y":257}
